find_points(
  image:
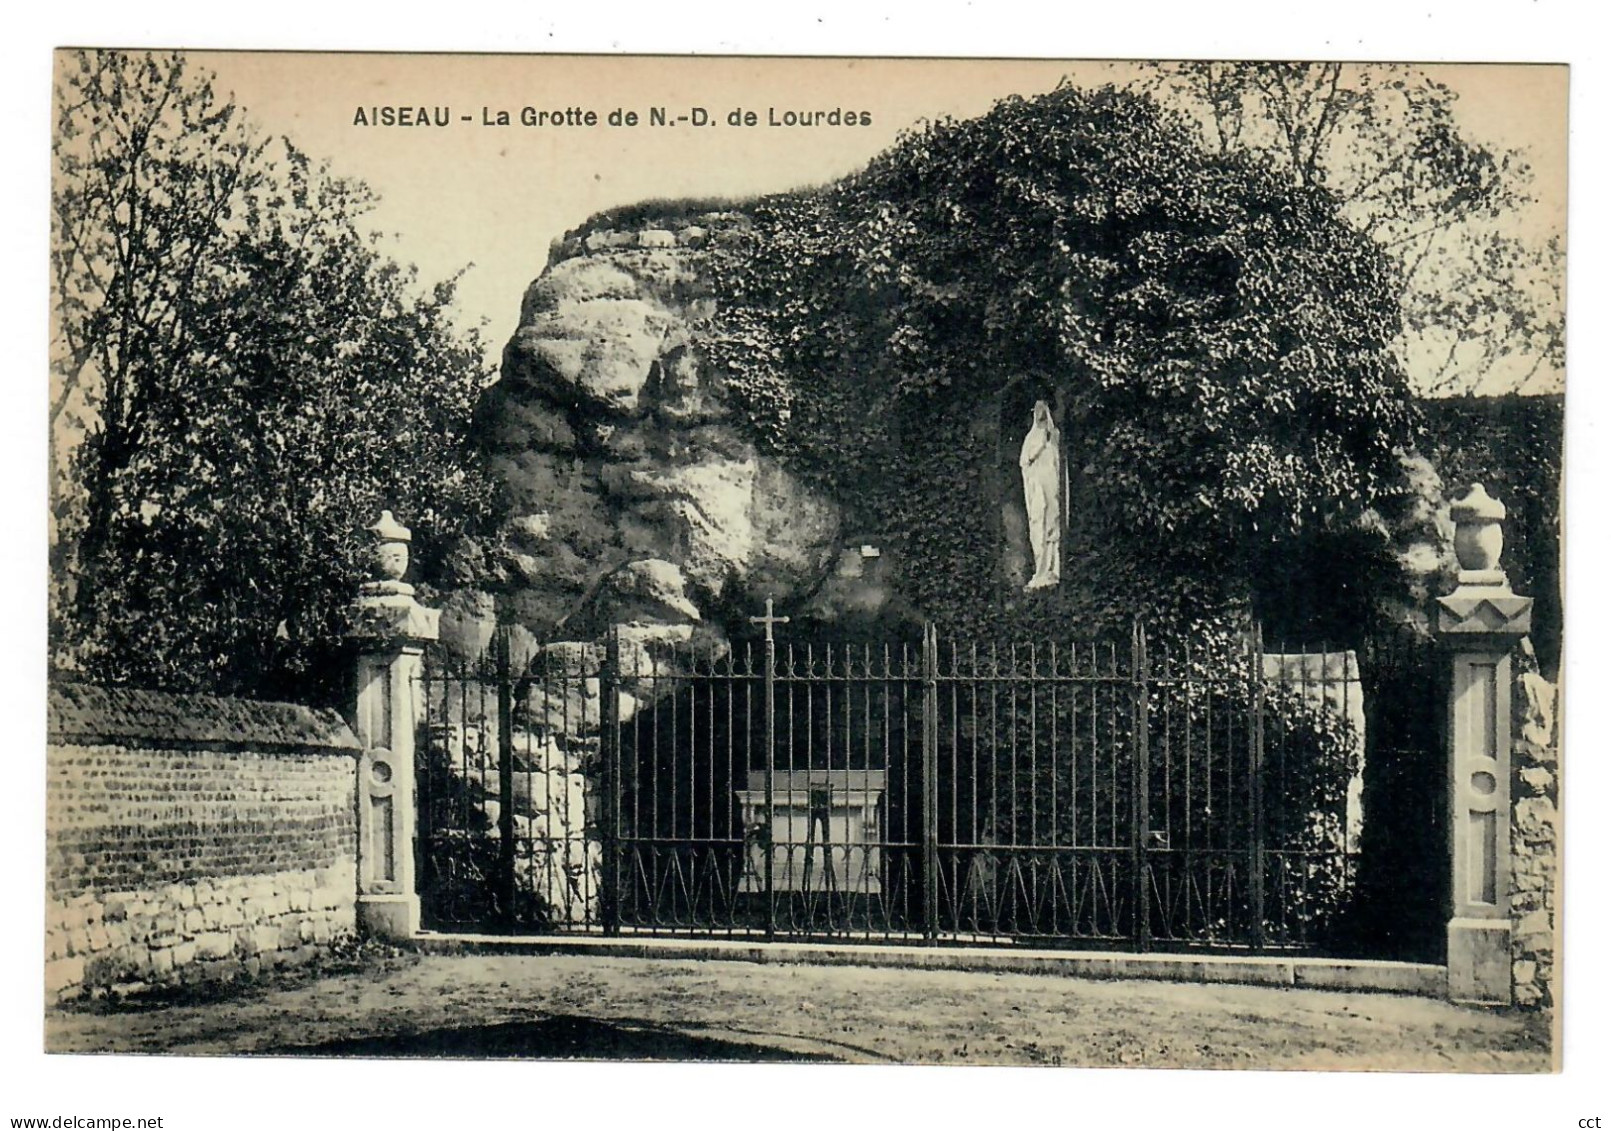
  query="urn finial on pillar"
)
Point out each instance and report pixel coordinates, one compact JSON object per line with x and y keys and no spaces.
{"x":1479,"y":537}
{"x":1482,"y":602}
{"x":386,"y":608}
{"x":391,"y":547}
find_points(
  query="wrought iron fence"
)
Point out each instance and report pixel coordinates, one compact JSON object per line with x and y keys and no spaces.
{"x":1128,"y":793}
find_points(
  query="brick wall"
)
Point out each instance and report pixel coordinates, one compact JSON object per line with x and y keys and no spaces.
{"x":193,"y":838}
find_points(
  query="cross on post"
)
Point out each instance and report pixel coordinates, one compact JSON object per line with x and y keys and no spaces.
{"x":769,"y":620}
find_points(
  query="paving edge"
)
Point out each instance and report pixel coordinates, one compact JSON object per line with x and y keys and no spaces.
{"x":1421,"y":979}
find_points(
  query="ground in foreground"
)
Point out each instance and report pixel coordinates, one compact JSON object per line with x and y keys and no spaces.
{"x":534,"y":1006}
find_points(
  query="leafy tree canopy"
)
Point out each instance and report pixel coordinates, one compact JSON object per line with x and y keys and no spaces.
{"x":242,"y":379}
{"x":1480,"y":294}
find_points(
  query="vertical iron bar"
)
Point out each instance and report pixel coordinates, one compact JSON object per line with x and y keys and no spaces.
{"x":1051,"y":824}
{"x":769,"y":709}
{"x":974,"y":836}
{"x":631,"y":849}
{"x":695,"y":685}
{"x":898,"y":744}
{"x":995,"y":776}
{"x":1255,"y":769}
{"x":655,"y":846}
{"x":711,"y":684}
{"x":506,"y":786}
{"x":791,"y":689}
{"x":1186,"y":688}
{"x":931,"y":765}
{"x":1012,"y":741}
{"x":727,"y":824}
{"x":566,"y":727}
{"x":1114,"y":746}
{"x":954,"y":695}
{"x":466,"y":812}
{"x":827,"y":740}
{"x":1348,"y":861}
{"x":486,"y":678}
{"x":548,"y":669}
{"x":673,"y":845}
{"x":1073,"y":788}
{"x":866,"y":774}
{"x":1096,"y":711}
{"x":1034,"y":784}
{"x":422,"y":787}
{"x":1139,"y":794}
{"x":610,"y":749}
{"x":542,"y":837}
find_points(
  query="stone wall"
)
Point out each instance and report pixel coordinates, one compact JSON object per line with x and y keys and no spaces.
{"x":555,"y":792}
{"x":1534,"y":859}
{"x":192,"y":838}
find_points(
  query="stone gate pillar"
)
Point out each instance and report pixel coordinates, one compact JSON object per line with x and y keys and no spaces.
{"x":392,"y":630}
{"x":1480,"y":625}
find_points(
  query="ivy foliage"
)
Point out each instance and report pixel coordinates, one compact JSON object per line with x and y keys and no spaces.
{"x":1215,"y":338}
{"x":1513,"y":446}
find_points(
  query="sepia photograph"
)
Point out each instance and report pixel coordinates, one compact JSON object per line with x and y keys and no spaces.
{"x":831,"y":560}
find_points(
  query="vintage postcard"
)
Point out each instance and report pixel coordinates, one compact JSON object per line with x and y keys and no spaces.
{"x":859,"y":560}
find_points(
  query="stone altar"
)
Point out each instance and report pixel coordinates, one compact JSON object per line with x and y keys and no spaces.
{"x":825,"y":833}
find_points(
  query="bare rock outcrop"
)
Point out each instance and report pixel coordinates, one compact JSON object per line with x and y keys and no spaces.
{"x":637,"y":498}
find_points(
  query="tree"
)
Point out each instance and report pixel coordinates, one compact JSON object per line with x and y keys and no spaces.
{"x":150,"y":167}
{"x":1217,"y":336}
{"x":1476,"y":296}
{"x":255,"y":379}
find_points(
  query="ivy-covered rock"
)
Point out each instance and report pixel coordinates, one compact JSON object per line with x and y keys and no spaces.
{"x":1214,"y":341}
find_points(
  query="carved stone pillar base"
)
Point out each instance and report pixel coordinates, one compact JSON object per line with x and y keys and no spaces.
{"x":395,"y":918}
{"x":1479,"y":961}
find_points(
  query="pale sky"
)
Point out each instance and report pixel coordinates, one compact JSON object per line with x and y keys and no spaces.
{"x":495,"y":196}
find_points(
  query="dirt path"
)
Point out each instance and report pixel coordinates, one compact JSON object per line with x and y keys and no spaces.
{"x":626,"y":1008}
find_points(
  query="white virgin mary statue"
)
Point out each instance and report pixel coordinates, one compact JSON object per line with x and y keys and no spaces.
{"x":1041,"y":461}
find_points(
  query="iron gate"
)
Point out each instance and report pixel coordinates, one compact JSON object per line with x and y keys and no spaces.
{"x":1117,"y":794}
